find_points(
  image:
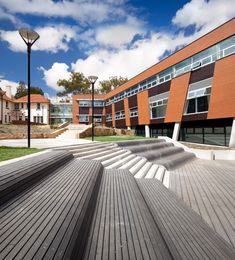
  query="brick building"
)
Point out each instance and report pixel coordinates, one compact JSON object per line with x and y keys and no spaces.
{"x":189,"y":95}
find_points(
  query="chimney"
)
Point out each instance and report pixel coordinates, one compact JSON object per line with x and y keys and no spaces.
{"x":8,"y":91}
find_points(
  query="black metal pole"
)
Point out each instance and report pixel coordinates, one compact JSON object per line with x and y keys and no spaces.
{"x":29,"y":50}
{"x":92,"y":113}
{"x":2,"y":110}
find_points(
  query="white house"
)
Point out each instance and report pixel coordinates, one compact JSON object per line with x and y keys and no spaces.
{"x":40,"y":108}
{"x":6,"y":108}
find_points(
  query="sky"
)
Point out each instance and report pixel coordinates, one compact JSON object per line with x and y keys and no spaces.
{"x":99,"y":37}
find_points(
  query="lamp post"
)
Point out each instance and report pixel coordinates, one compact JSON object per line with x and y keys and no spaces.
{"x":29,"y":37}
{"x":2,"y":93}
{"x":92,"y":80}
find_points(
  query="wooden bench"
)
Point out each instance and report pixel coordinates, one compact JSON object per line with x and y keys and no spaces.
{"x":18,"y":176}
{"x":51,"y":221}
{"x":139,"y":142}
{"x":185,"y":232}
{"x":123,"y":227}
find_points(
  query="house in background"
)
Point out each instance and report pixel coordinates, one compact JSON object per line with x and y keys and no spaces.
{"x":40,"y":107}
{"x":6,"y":106}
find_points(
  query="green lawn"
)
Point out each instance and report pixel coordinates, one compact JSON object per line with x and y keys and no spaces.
{"x":115,"y":138}
{"x":7,"y":153}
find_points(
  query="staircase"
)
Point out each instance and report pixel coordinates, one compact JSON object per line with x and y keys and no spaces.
{"x":161,"y":152}
{"x":73,"y":131}
{"x":143,"y":158}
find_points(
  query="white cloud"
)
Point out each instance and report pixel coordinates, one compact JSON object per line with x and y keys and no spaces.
{"x":128,"y":58}
{"x":119,"y":34}
{"x":205,"y":15}
{"x":56,"y":72}
{"x":4,"y":83}
{"x":129,"y":62}
{"x":84,"y":11}
{"x":52,"y":38}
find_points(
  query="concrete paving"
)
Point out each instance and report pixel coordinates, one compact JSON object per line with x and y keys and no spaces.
{"x":43,"y":143}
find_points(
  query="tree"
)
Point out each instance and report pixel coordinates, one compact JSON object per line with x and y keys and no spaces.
{"x":112,"y":83}
{"x":36,"y":90}
{"x":77,"y":83}
{"x":22,"y":91}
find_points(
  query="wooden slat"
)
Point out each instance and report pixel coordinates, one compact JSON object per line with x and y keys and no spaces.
{"x":51,"y":220}
{"x":18,"y":176}
{"x":123,"y":227}
{"x":185,"y":233}
{"x":211,"y":193}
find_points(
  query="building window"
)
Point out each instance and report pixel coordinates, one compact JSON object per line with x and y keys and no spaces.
{"x":98,"y":103}
{"x":198,"y":101}
{"x":134,"y":112}
{"x":83,"y":118}
{"x":120,"y":115}
{"x":22,"y":105}
{"x":158,"y":108}
{"x":5,"y":118}
{"x":17,"y":106}
{"x":7,"y":104}
{"x":108,"y":117}
{"x":38,"y":106}
{"x":85,"y":103}
{"x":41,"y":119}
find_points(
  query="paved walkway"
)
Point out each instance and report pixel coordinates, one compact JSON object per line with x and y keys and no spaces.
{"x":43,"y":143}
{"x":208,"y":187}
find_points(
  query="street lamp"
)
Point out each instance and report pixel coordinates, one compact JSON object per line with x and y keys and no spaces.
{"x":2,"y":93}
{"x":92,"y":80}
{"x":29,"y":37}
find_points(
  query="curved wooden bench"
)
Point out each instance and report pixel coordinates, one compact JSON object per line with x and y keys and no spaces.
{"x":123,"y":227}
{"x":52,"y":220}
{"x":18,"y":176}
{"x":185,"y":232}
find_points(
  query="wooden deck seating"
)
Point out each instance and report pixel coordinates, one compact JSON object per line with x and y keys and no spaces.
{"x":18,"y":176}
{"x":81,"y":211}
{"x":139,"y":142}
{"x":51,"y":220}
{"x":185,"y":232}
{"x":123,"y":227}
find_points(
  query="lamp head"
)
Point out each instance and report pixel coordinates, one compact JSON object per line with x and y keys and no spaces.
{"x":28,"y":36}
{"x":92,"y":79}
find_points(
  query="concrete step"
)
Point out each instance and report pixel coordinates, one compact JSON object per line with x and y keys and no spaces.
{"x":132,"y":162}
{"x":78,"y":126}
{"x":160,"y":173}
{"x":135,"y":168}
{"x":166,"y":179}
{"x":144,"y":170}
{"x":175,"y":160}
{"x":103,"y":155}
{"x":117,"y":161}
{"x":152,"y":171}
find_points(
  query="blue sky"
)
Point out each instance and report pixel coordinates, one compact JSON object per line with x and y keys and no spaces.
{"x":105,"y":38}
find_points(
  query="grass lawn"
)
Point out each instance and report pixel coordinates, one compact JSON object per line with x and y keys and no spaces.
{"x":7,"y":153}
{"x":115,"y":138}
